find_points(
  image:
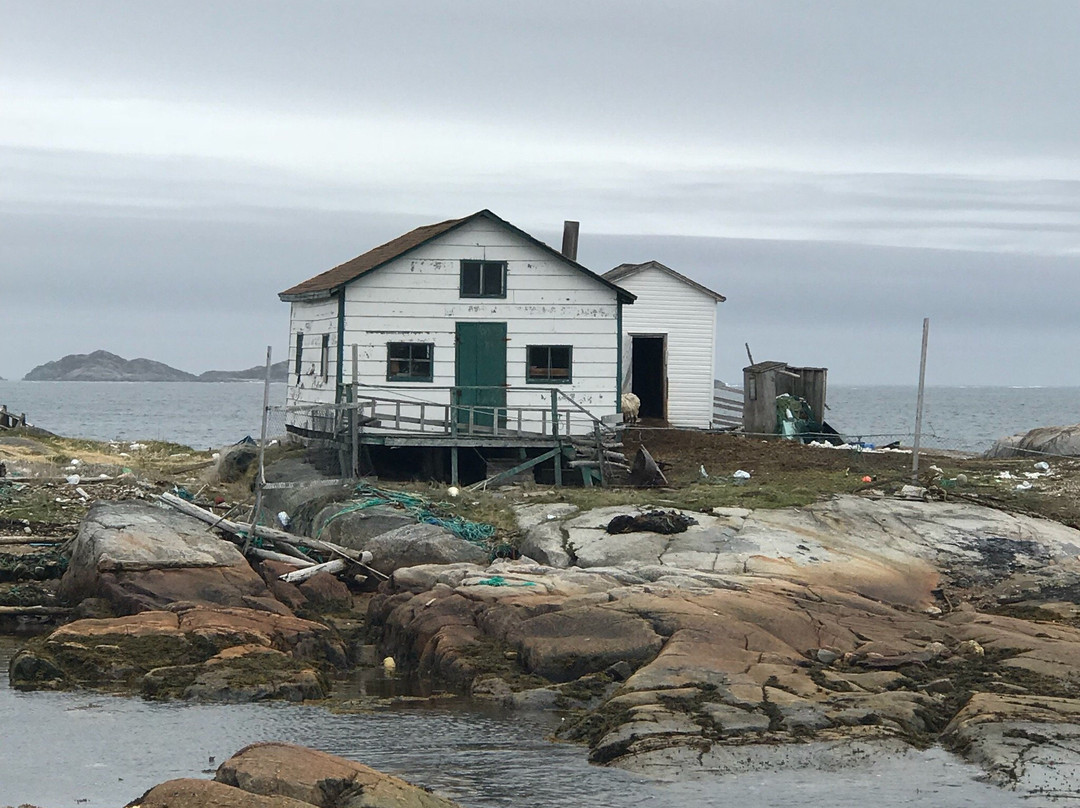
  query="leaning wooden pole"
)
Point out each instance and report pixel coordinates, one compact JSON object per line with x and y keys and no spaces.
{"x":919,"y":404}
{"x":260,"y":472}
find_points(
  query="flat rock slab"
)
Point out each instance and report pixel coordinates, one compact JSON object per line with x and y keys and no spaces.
{"x":1030,"y":743}
{"x":119,"y":652}
{"x":889,"y":550}
{"x":191,"y":793}
{"x":321,"y":779}
{"x":139,"y":556}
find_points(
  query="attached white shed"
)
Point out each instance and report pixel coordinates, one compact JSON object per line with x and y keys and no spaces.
{"x":466,"y":324}
{"x":669,"y":343}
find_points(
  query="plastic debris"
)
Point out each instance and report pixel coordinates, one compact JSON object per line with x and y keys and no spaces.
{"x":867,"y":479}
{"x":1042,"y":465}
{"x":703,"y":474}
{"x":1024,"y":486}
{"x":283,"y":518}
{"x":741,"y":475}
{"x":1004,"y":475}
{"x":453,"y":491}
{"x":73,"y":479}
{"x":498,"y":580}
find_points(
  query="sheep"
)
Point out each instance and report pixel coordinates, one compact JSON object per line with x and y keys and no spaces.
{"x":630,"y":406}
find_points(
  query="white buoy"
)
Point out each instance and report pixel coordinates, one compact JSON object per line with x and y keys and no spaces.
{"x":389,"y":665}
{"x":453,"y":491}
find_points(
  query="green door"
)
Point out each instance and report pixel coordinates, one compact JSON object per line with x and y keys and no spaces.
{"x":481,"y":372}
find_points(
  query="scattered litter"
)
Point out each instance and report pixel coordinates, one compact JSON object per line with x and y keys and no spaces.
{"x":1042,"y":465}
{"x":283,"y":518}
{"x":1024,"y":486}
{"x":74,"y":462}
{"x":913,"y":492}
{"x":73,"y":479}
{"x":82,"y":493}
{"x":867,"y":478}
{"x":498,"y":580}
{"x":1004,"y":475}
{"x":741,"y":476}
{"x":137,"y":447}
{"x":453,"y":491}
{"x":702,"y":473}
{"x":860,"y":446}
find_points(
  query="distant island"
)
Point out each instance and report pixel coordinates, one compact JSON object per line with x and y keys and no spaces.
{"x":102,"y":366}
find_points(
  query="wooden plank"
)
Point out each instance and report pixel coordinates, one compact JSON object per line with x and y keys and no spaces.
{"x":296,"y":576}
{"x":270,"y":555}
{"x":527,"y":464}
{"x":309,"y":484}
{"x":18,"y":611}
{"x":14,"y":540}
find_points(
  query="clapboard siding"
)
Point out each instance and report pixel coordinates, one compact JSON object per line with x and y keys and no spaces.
{"x":667,"y":305}
{"x":313,"y":319}
{"x":416,"y":298}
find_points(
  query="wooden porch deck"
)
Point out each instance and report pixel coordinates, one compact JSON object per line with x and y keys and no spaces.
{"x":563,"y":429}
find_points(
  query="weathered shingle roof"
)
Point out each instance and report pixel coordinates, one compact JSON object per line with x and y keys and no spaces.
{"x":362,"y":264}
{"x":626,"y":270}
{"x":333,"y":279}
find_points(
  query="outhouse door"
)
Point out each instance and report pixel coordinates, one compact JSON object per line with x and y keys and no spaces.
{"x":480,"y":373}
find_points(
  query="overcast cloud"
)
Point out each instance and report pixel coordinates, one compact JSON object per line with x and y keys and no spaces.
{"x":839,"y":170}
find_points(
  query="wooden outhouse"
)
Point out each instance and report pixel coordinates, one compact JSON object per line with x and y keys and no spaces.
{"x":764,"y":381}
{"x":669,"y":343}
{"x":465,"y":332}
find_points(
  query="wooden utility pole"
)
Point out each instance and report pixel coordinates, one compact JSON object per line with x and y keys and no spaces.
{"x":354,"y":420}
{"x":919,"y":404}
{"x":260,"y":472}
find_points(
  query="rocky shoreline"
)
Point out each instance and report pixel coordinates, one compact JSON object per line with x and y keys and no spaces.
{"x":715,"y":641}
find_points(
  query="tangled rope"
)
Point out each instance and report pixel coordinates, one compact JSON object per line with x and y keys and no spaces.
{"x":421,"y":509}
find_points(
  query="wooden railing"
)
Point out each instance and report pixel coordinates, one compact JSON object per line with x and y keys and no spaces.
{"x":727,"y":406}
{"x":385,"y":410}
{"x":9,"y":420}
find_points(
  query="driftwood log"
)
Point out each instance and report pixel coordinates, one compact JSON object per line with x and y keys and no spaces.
{"x":280,"y":538}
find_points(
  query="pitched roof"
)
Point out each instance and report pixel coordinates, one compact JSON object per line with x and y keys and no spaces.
{"x":362,"y":264}
{"x":626,"y":270}
{"x":333,"y":279}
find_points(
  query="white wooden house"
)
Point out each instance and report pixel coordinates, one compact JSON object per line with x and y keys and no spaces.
{"x":669,"y":343}
{"x":469,"y":332}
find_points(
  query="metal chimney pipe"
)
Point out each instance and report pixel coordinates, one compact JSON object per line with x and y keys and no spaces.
{"x":570,"y":239}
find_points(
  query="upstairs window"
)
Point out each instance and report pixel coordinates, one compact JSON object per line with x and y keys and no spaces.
{"x":548,"y":364}
{"x":324,"y":357}
{"x":483,"y":279}
{"x":298,"y":367}
{"x":409,"y":361}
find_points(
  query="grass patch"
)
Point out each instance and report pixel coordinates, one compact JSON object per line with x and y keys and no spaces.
{"x":772,"y":490}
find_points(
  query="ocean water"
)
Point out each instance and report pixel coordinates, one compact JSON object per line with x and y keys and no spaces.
{"x":203,"y":415}
{"x":89,"y":750}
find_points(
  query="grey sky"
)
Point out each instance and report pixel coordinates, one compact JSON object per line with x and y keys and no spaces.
{"x":839,"y":170}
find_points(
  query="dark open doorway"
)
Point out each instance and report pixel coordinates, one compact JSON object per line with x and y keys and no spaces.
{"x":650,"y":375}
